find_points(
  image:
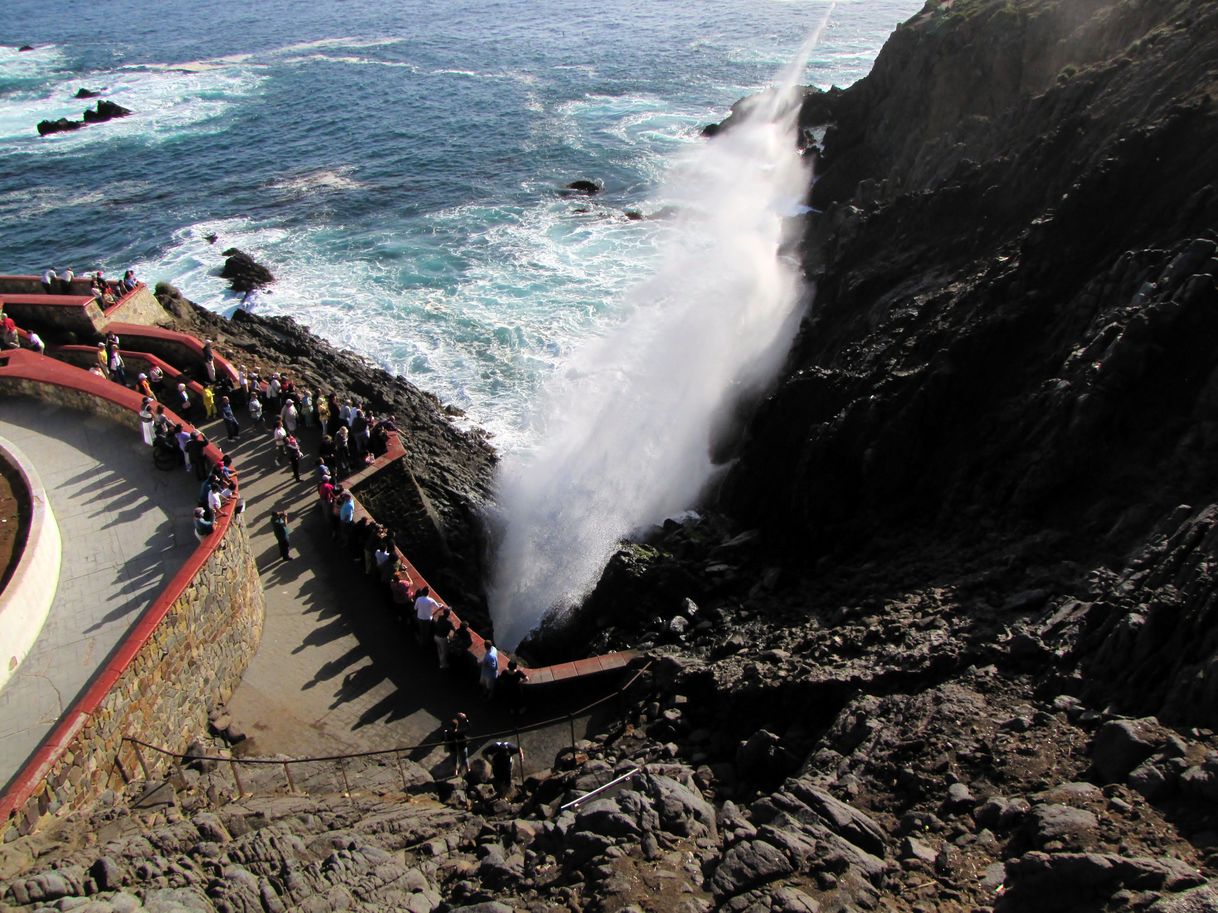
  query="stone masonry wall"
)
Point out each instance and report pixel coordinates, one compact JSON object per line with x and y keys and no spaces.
{"x":140,"y":306}
{"x":194,"y":658}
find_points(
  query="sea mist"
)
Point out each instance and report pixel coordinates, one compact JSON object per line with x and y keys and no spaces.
{"x":628,"y":421}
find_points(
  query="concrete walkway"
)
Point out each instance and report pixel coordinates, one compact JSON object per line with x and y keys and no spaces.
{"x":126,"y":528}
{"x":335,"y":673}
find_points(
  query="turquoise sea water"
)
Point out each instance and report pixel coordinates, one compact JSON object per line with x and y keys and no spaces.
{"x":397,"y":165}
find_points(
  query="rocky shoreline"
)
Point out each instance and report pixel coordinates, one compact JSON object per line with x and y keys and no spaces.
{"x":946,"y":638}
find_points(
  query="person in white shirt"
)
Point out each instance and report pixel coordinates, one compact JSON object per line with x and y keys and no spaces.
{"x":424,"y":609}
{"x":65,"y":281}
{"x":48,"y":282}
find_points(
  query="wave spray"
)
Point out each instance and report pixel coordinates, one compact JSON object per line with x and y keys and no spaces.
{"x":627,"y":423}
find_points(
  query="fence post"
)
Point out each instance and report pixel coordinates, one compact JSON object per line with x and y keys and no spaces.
{"x":397,"y":755}
{"x":139,"y":756}
{"x":342,"y":769}
{"x":232,"y":765}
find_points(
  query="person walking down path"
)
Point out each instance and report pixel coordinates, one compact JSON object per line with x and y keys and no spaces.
{"x":279,"y":523}
{"x":501,"y":755}
{"x":489,"y":670}
{"x":230,"y":418}
{"x":457,"y":737}
{"x":209,"y":403}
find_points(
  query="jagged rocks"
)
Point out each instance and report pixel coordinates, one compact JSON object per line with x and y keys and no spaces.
{"x":63,"y":125}
{"x":243,"y":272}
{"x":86,"y":93}
{"x":104,"y":111}
{"x":1048,"y":883}
{"x":584,"y":188}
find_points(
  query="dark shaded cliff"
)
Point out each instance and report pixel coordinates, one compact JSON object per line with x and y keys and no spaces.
{"x":1016,"y":310}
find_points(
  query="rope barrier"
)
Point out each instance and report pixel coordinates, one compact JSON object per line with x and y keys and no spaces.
{"x":567,"y":718}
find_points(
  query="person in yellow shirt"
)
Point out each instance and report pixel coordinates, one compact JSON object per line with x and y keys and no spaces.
{"x":209,"y":403}
{"x":103,"y":359}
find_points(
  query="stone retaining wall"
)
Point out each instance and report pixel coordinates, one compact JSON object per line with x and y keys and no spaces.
{"x":192,"y":658}
{"x":186,"y":653}
{"x":140,"y":306}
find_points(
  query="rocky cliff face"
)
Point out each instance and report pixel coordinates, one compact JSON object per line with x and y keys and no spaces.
{"x":1016,"y":317}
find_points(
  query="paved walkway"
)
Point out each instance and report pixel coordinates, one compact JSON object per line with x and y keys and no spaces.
{"x":126,"y":528}
{"x":334,"y":672}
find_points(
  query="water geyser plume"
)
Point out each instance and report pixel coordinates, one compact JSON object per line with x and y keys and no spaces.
{"x":627,"y":422}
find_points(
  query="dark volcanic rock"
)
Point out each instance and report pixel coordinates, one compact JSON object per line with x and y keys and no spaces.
{"x":26,"y":47}
{"x":62,"y":125}
{"x":106,"y":110}
{"x":86,"y":93}
{"x":586,"y":188}
{"x":243,"y":272}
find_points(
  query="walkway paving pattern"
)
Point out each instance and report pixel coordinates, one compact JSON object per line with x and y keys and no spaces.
{"x":126,"y":529}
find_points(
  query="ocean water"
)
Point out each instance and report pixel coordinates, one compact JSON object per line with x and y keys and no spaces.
{"x":397,"y":165}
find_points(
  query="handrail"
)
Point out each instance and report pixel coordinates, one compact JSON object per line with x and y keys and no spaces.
{"x":377,"y":752}
{"x":600,"y":789}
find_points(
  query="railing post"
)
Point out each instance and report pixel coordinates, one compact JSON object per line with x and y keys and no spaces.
{"x":287,"y":772}
{"x":401,"y":770}
{"x":232,"y":765}
{"x":342,"y":769}
{"x":139,"y":756}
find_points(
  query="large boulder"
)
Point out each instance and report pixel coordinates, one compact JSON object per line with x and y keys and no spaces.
{"x":243,"y":272}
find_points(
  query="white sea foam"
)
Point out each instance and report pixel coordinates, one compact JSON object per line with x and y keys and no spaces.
{"x":164,"y":103}
{"x":325,"y":180}
{"x":625,"y":424}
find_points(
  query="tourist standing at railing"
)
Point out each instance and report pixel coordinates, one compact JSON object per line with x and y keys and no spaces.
{"x":37,"y":344}
{"x":441,"y":630}
{"x":488,"y":669}
{"x":103,"y":359}
{"x":209,"y":361}
{"x":196,"y":445}
{"x":163,"y":427}
{"x":146,"y":420}
{"x":203,"y":526}
{"x":65,"y":281}
{"x":425,"y":609}
{"x":182,"y":436}
{"x":118,"y":372}
{"x":156,"y":378}
{"x":48,"y":281}
{"x":511,"y":686}
{"x":129,"y":281}
{"x":346,"y":516}
{"x":144,"y":387}
{"x":209,"y":402}
{"x":273,"y":389}
{"x":182,"y":401}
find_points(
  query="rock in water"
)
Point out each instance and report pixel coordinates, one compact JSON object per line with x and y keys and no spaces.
{"x":86,"y":93}
{"x":106,"y":110}
{"x":588,"y":188}
{"x":25,"y":47}
{"x":62,"y":125}
{"x":243,"y":272}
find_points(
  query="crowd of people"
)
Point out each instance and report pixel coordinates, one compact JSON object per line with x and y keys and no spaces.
{"x":106,"y":292}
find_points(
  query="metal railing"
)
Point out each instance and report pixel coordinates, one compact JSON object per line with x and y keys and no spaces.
{"x":342,"y":761}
